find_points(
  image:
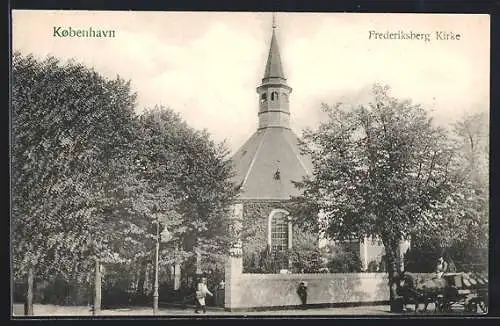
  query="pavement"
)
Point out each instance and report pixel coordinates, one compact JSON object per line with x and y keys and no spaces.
{"x":76,"y":311}
{"x":67,"y":311}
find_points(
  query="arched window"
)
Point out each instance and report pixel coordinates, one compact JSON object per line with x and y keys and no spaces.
{"x":274,"y":96}
{"x":279,"y":229}
{"x":263,"y":97}
{"x":279,"y":238}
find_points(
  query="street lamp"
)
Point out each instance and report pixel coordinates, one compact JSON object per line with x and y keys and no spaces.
{"x":163,"y":237}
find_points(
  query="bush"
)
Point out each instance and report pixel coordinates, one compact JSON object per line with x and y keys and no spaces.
{"x":266,"y":262}
{"x":345,"y":262}
{"x":307,"y":261}
{"x":421,"y":258}
{"x":373,"y":266}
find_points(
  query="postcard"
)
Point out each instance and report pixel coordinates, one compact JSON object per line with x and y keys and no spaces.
{"x":249,"y":163}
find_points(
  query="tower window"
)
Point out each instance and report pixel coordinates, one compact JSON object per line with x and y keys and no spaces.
{"x":274,"y":96}
{"x":263,"y":97}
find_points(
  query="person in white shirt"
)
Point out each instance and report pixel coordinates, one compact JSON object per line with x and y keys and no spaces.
{"x":201,"y":293}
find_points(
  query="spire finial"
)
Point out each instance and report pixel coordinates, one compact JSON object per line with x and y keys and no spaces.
{"x":273,"y":66}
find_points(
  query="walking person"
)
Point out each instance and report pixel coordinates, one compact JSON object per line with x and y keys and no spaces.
{"x":201,"y":293}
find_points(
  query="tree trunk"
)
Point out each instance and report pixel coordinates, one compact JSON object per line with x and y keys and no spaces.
{"x":140,"y":282}
{"x":393,"y":271}
{"x":199,"y":270}
{"x":145,"y":289}
{"x":28,"y":304}
{"x":97,"y":288}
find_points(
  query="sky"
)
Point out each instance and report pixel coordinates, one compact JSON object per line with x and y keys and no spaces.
{"x":206,"y":65}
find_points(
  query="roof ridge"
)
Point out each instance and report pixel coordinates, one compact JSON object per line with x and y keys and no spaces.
{"x":254,"y":158}
{"x":299,"y":157}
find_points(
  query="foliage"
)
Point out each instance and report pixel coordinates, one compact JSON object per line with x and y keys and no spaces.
{"x":266,"y":262}
{"x":305,"y":255}
{"x":463,"y":231}
{"x":55,"y":290}
{"x":471,"y":209}
{"x":91,"y":179}
{"x":62,"y":144}
{"x":254,"y":232}
{"x":422,"y":257}
{"x":381,"y":170}
{"x":342,"y":260}
{"x":196,"y":173}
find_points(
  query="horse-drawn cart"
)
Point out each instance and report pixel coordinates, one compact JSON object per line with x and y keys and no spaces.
{"x":463,"y":291}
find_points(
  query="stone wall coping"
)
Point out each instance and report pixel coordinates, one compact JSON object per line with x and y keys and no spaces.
{"x":312,"y":276}
{"x":252,"y":276}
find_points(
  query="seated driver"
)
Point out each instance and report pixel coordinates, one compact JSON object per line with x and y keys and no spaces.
{"x":441,"y":267}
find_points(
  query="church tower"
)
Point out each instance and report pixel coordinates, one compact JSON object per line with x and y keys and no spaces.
{"x":274,"y":92}
{"x":270,"y":160}
{"x":267,"y":165}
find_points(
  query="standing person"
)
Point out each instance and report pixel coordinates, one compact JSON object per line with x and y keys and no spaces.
{"x":302,"y":292}
{"x":201,"y":293}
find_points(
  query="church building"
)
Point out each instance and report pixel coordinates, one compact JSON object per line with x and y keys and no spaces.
{"x":266,"y":166}
{"x":268,"y":162}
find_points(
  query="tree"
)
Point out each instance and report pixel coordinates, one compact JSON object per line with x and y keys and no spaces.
{"x":199,"y":173}
{"x":463,"y":231}
{"x":472,"y":170}
{"x":71,"y":130}
{"x":380,"y":170}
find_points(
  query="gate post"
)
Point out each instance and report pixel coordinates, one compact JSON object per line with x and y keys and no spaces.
{"x":234,"y":261}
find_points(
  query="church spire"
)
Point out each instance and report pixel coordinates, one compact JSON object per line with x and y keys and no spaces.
{"x":274,"y":68}
{"x":274,"y":92}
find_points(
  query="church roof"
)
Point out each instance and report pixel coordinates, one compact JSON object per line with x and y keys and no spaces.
{"x":274,"y":68}
{"x":267,"y":151}
{"x":271,"y":159}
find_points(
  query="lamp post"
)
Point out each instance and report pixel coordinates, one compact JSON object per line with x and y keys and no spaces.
{"x":164,"y":236}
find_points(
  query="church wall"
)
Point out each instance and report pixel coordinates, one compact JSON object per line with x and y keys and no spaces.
{"x":255,"y":218}
{"x":371,"y":253}
{"x":255,"y":227}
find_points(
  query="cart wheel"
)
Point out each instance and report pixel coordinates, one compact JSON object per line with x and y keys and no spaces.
{"x":446,"y":307}
{"x":484,"y":307}
{"x":440,"y":305}
{"x":471,"y":307}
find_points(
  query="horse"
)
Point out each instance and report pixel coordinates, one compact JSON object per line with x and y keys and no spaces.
{"x":415,"y":289}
